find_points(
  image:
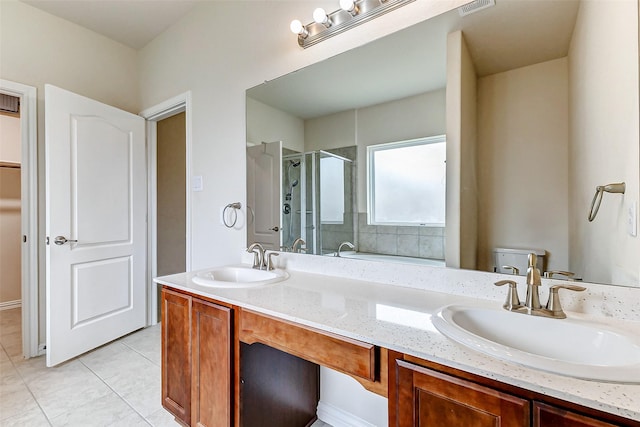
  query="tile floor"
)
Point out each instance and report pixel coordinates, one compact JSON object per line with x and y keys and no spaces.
{"x":115,"y":385}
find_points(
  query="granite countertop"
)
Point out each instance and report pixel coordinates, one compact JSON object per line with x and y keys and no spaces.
{"x":399,"y":318}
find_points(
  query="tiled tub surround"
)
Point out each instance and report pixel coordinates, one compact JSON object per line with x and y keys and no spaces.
{"x":353,"y":298}
{"x":419,"y":241}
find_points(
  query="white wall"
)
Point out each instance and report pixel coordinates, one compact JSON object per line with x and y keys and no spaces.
{"x":607,"y":71}
{"x":39,"y":48}
{"x":523,"y":149}
{"x":207,"y":54}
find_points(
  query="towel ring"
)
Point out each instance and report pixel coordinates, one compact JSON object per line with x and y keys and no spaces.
{"x":597,"y":198}
{"x":235,"y":206}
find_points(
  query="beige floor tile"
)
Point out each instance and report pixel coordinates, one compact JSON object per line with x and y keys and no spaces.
{"x":146,"y":342}
{"x":111,"y":360}
{"x":31,"y":418}
{"x":162,"y":418}
{"x":140,"y":388}
{"x":58,"y":378}
{"x":133,"y":420}
{"x":58,"y":402}
{"x":103,"y":411}
{"x":15,"y":400}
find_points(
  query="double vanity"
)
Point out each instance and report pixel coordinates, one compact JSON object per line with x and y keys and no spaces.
{"x":242,"y":347}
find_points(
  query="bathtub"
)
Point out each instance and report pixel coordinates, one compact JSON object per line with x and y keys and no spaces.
{"x":391,"y":258}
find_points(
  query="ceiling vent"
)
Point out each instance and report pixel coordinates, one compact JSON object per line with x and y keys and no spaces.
{"x":475,"y":6}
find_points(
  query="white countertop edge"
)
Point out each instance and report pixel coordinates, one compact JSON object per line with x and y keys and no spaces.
{"x":614,"y":398}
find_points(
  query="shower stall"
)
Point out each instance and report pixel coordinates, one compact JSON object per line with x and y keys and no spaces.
{"x":318,"y":194}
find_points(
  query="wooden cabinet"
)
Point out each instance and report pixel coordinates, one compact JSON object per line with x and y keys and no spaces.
{"x":176,"y":355}
{"x":211,"y":365}
{"x":429,"y":398}
{"x":197,"y":360}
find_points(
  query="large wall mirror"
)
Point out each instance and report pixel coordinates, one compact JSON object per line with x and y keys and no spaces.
{"x":455,"y":138}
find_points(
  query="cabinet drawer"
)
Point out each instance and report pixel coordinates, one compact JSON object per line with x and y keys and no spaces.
{"x":550,"y":416}
{"x":346,"y":355}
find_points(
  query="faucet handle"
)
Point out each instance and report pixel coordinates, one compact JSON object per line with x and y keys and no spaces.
{"x":512,"y":302}
{"x":514,"y":270}
{"x":270,"y":256}
{"x":550,"y":274}
{"x":553,"y":304}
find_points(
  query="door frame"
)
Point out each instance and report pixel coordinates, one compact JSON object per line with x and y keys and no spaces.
{"x":177,"y":104}
{"x":29,"y":213}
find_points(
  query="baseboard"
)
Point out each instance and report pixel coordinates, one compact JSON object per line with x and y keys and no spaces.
{"x":8,"y":305}
{"x":339,"y":418}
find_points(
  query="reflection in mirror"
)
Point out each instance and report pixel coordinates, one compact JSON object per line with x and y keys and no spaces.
{"x":539,"y":104}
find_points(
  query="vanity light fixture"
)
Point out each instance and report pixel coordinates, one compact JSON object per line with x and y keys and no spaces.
{"x":350,"y":14}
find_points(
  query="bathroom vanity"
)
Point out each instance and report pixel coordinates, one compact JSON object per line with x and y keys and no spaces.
{"x":250,"y":357}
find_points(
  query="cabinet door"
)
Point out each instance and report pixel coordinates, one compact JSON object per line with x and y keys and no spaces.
{"x":429,"y":398}
{"x":211,"y":364}
{"x":176,"y":355}
{"x":550,"y":416}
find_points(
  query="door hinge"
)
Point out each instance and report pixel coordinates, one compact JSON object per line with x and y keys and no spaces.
{"x":24,"y":238}
{"x":47,"y":242}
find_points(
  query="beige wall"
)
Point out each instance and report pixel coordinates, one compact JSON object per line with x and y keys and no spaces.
{"x":268,"y":124}
{"x":39,"y":48}
{"x":461,"y":204}
{"x":607,"y":71}
{"x":331,"y":131}
{"x":10,"y":242}
{"x":10,"y":150}
{"x":523,"y":137}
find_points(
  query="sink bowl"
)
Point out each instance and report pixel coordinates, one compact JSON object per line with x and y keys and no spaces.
{"x":563,"y":346}
{"x":238,"y":276}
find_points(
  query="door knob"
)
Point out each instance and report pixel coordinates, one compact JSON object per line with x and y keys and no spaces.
{"x":61,"y":240}
{"x":276,"y":228}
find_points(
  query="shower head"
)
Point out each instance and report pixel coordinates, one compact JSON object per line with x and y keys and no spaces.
{"x":294,"y":183}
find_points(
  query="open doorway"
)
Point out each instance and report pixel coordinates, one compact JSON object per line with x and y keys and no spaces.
{"x":169,"y":159}
{"x":10,"y":227}
{"x":18,"y":221}
{"x":171,"y":194}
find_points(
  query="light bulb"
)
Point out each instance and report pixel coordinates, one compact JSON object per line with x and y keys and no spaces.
{"x":347,"y":5}
{"x":320,"y":17}
{"x":296,"y":27}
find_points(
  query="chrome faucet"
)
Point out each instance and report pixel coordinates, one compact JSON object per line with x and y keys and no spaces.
{"x":349,"y":244}
{"x":259,"y":262}
{"x":297,"y":245}
{"x":532,"y":304}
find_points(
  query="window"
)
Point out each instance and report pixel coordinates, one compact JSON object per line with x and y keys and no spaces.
{"x":406,"y":182}
{"x":331,"y":190}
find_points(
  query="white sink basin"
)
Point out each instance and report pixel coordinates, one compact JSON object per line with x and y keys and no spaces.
{"x":238,"y":276}
{"x":564,"y":346}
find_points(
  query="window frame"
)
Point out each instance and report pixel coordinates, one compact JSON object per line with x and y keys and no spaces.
{"x":371,"y":150}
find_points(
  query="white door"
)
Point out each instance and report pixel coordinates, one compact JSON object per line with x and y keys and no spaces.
{"x":263,"y":194}
{"x":95,"y":223}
